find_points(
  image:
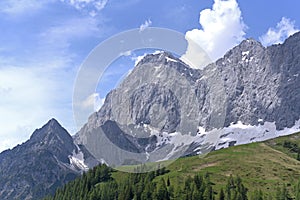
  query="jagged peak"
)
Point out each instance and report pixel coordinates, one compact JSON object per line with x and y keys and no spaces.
{"x":295,"y":38}
{"x":159,"y":57}
{"x":53,"y":122}
{"x":51,"y":127}
{"x":250,"y":42}
{"x":247,"y":46}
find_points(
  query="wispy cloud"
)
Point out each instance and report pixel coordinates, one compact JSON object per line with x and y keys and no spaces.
{"x":12,"y":7}
{"x":93,"y":101}
{"x":37,"y":84}
{"x":222,"y":29}
{"x":284,"y":29}
{"x":29,"y":97}
{"x":90,"y":6}
{"x":62,"y":34}
{"x":126,"y":53}
{"x":137,"y":59}
{"x":16,"y":8}
{"x":145,"y":25}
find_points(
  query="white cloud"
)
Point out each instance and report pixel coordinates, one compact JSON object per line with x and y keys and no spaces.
{"x":13,"y":7}
{"x":30,"y":96}
{"x":38,"y":86}
{"x":100,"y":4}
{"x":283,"y":30}
{"x":55,"y":42}
{"x":145,"y":25}
{"x":93,"y":101}
{"x":75,"y":27}
{"x":222,"y":29}
{"x":90,"y":6}
{"x":137,"y":59}
{"x":126,"y":53}
{"x":16,"y":8}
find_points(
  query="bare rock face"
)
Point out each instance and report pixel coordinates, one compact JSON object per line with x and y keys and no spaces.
{"x":40,"y":165}
{"x":261,"y":83}
{"x":162,"y":95}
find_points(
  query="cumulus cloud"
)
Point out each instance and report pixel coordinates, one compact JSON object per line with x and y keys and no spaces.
{"x":222,"y":29}
{"x":283,"y":30}
{"x":145,"y":25}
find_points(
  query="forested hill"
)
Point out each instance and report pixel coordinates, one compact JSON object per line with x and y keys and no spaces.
{"x":98,"y":184}
{"x":268,"y":170}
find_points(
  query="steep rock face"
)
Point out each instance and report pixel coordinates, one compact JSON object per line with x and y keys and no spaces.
{"x":159,"y":93}
{"x":262,"y":83}
{"x":40,"y":165}
{"x":155,"y":85}
{"x":251,"y":85}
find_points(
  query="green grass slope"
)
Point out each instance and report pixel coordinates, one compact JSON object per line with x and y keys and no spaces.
{"x":265,"y":166}
{"x":262,"y":166}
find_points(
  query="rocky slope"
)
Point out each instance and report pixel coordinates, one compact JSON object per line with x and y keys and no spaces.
{"x":37,"y":167}
{"x":250,"y":94}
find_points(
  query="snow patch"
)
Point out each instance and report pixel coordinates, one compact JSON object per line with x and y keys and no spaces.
{"x":171,"y":59}
{"x":77,"y":160}
{"x":235,"y":134}
{"x":244,"y":134}
{"x":245,"y":57}
{"x":239,"y":125}
{"x":245,"y":53}
{"x":102,"y":161}
{"x":157,"y":52}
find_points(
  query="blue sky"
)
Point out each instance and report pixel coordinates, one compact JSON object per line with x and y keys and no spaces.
{"x":43,"y":44}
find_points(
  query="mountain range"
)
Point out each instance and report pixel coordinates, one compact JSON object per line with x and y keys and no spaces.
{"x":163,"y":110}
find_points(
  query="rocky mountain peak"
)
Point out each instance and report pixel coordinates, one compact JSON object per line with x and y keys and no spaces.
{"x":292,"y":40}
{"x":251,"y":85}
{"x":250,"y":42}
{"x":160,"y":57}
{"x":246,"y":51}
{"x":36,"y":167}
{"x":52,"y":129}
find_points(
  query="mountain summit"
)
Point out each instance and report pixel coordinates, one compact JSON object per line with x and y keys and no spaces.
{"x":251,"y":94}
{"x":49,"y":159}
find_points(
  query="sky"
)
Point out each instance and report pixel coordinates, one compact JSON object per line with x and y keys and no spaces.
{"x":44,"y":43}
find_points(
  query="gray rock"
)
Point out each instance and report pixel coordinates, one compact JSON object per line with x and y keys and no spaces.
{"x":38,"y":166}
{"x":250,"y":84}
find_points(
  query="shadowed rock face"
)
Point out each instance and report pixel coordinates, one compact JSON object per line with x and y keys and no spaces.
{"x":249,"y":84}
{"x":38,"y":166}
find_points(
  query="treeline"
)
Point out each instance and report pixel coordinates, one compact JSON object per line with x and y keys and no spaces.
{"x":98,"y":184}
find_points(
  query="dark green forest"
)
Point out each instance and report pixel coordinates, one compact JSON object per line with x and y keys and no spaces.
{"x":98,"y":184}
{"x":257,"y":171}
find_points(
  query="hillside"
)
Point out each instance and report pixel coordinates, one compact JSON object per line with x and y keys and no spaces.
{"x":269,"y":167}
